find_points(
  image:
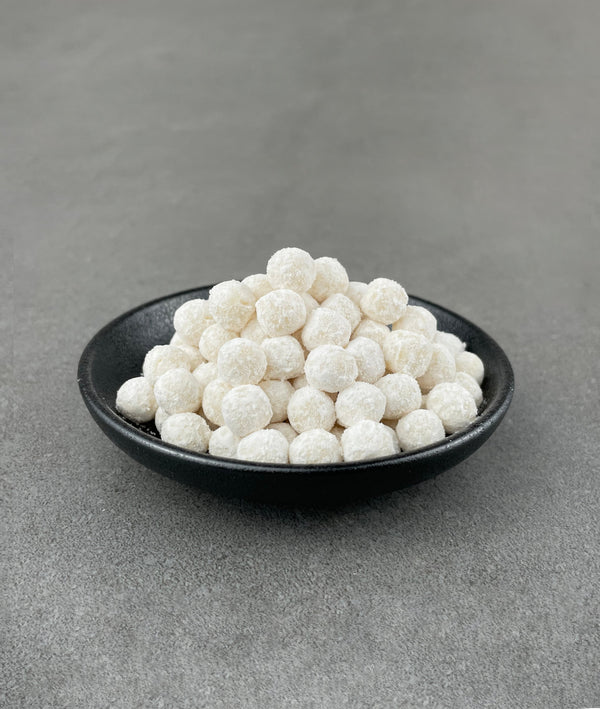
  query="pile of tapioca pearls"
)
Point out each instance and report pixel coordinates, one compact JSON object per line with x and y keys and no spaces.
{"x":299,"y":365}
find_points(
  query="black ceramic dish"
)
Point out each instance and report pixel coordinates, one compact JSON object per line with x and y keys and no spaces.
{"x":116,"y":353}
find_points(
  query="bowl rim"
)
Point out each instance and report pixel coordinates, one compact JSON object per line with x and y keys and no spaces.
{"x":491,"y":415}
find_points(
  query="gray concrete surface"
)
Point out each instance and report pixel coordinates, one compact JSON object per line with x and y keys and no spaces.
{"x":147,"y":147}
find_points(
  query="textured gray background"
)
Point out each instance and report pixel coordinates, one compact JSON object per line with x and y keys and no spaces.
{"x":148,"y":147}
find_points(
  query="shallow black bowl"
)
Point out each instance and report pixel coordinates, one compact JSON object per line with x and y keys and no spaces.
{"x":116,"y":353}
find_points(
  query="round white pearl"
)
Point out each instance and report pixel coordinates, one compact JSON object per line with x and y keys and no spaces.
{"x":417,"y":319}
{"x":253,"y":331}
{"x":213,"y":399}
{"x":159,"y":418}
{"x":407,"y":352}
{"x":470,"y":363}
{"x":368,"y":439}
{"x":284,"y":428}
{"x":355,"y":291}
{"x":342,"y":305}
{"x":259,"y":284}
{"x":205,"y":373}
{"x":191,"y":319}
{"x":384,"y":301}
{"x":186,"y":430}
{"x":285,"y":357}
{"x":291,"y":268}
{"x":449,"y":340}
{"x":161,"y":359}
{"x":194,"y":354}
{"x":310,"y":408}
{"x":467,"y":381}
{"x":231,"y":304}
{"x":310,"y":303}
{"x":223,"y":443}
{"x":441,"y":368}
{"x":373,"y":330}
{"x":246,"y":409}
{"x":177,"y":340}
{"x":325,"y":327}
{"x":418,"y":429}
{"x":266,"y":446}
{"x":331,"y":369}
{"x":453,"y":404}
{"x":178,"y":391}
{"x":136,"y":401}
{"x":359,"y":401}
{"x":212,"y":339}
{"x":315,"y":447}
{"x":402,"y":394}
{"x":331,"y":278}
{"x":279,"y":393}
{"x":241,"y":362}
{"x":369,"y":359}
{"x":281,"y":312}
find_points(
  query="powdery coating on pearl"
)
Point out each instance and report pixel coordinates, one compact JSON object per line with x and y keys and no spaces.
{"x":191,"y":319}
{"x":384,"y":301}
{"x":279,"y":393}
{"x":231,"y":304}
{"x":259,"y":284}
{"x":441,"y":368}
{"x":300,"y":382}
{"x":194,"y":354}
{"x":418,"y":429}
{"x":284,"y":428}
{"x":369,"y":359}
{"x":356,"y":290}
{"x":331,"y":278}
{"x":407,"y":352}
{"x":212,"y":339}
{"x":373,"y":330}
{"x":136,"y":401}
{"x":178,"y":391}
{"x":417,"y":319}
{"x":253,"y":331}
{"x":467,"y":381}
{"x":285,"y":357}
{"x":177,"y":340}
{"x":368,"y":439}
{"x":315,"y":447}
{"x":205,"y":373}
{"x":325,"y":327}
{"x":246,"y":409}
{"x":451,"y":341}
{"x":186,"y":430}
{"x":402,"y":394}
{"x":159,"y":418}
{"x":281,"y":312}
{"x":161,"y":359}
{"x":223,"y":443}
{"x":331,"y":369}
{"x":453,"y":404}
{"x":213,"y":399}
{"x":310,"y":303}
{"x":470,"y":363}
{"x":266,"y":446}
{"x":310,"y":408}
{"x":291,"y":268}
{"x":342,"y":305}
{"x":241,"y":362}
{"x":359,"y":401}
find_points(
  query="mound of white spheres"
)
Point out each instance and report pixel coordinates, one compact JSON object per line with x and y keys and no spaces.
{"x":300,"y":365}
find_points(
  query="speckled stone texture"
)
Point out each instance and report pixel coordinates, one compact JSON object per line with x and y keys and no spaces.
{"x":148,"y":147}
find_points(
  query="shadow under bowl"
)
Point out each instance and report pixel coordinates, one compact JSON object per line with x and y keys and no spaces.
{"x":117,"y":351}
